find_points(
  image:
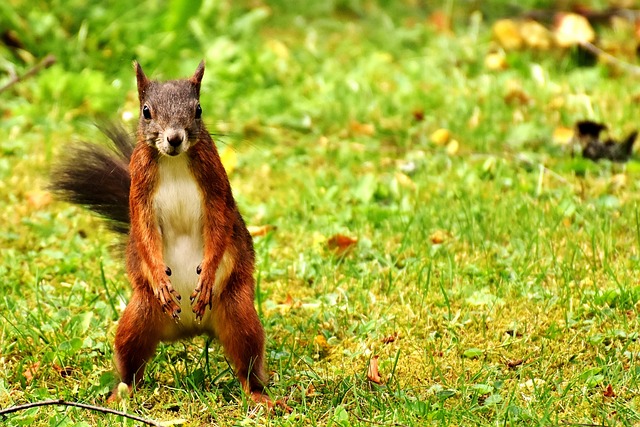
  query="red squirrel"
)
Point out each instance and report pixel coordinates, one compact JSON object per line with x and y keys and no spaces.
{"x":189,"y":256}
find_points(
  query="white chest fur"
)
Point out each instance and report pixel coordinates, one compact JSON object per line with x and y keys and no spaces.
{"x":179,"y":212}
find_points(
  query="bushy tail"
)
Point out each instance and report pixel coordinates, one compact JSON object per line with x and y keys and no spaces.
{"x":97,"y":177}
{"x":627,"y":145}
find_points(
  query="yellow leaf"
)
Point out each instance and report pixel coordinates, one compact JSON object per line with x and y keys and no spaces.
{"x":440,"y":136}
{"x":507,"y":34}
{"x":260,"y":230}
{"x":405,"y":181}
{"x":229,"y":159}
{"x":562,"y":135}
{"x":453,"y":147}
{"x":366,"y":129}
{"x":279,"y":48}
{"x":535,"y":35}
{"x":496,"y":61}
{"x":573,"y":29}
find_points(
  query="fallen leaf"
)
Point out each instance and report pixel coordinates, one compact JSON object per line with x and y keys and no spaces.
{"x":366,"y":129}
{"x":390,"y":338}
{"x":514,"y":363}
{"x":405,"y":181}
{"x":418,"y":115}
{"x":229,"y":160}
{"x":573,"y":29}
{"x":517,"y":96}
{"x":260,"y":230}
{"x":440,"y":136}
{"x":562,"y":135}
{"x":311,"y":390}
{"x":507,"y":34}
{"x":278,"y":48}
{"x":341,"y":243}
{"x":288,"y":300}
{"x":452,"y":147}
{"x":440,"y":21}
{"x":31,"y":371}
{"x":439,"y":236}
{"x":373,"y":374}
{"x":322,"y":346}
{"x":609,"y":392}
{"x":535,"y":35}
{"x":38,"y":198}
{"x":496,"y":61}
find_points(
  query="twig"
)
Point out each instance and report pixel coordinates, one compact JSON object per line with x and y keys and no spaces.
{"x":4,"y":412}
{"x":48,"y":61}
{"x":610,"y":58}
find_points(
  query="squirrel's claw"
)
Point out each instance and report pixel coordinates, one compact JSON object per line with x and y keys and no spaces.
{"x":168,"y":297}
{"x":201,"y":298}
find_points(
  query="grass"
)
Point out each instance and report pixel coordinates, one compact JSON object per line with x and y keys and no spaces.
{"x":495,"y":279}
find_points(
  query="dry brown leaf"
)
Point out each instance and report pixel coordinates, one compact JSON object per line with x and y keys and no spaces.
{"x":311,"y":390}
{"x":260,"y":230}
{"x":440,"y":21}
{"x":31,"y":371}
{"x":341,"y":243}
{"x":418,"y":115}
{"x":439,"y":236}
{"x":517,"y":96}
{"x":366,"y":129}
{"x":609,"y":392}
{"x":390,"y":338}
{"x":373,"y":374}
{"x":38,"y":198}
{"x":573,"y":29}
{"x":514,"y":363}
{"x":507,"y":34}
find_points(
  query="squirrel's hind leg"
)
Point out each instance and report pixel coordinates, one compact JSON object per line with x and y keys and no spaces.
{"x":237,"y":326}
{"x":136,"y":339}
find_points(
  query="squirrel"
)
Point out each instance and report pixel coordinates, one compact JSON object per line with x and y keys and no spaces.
{"x":189,"y":255}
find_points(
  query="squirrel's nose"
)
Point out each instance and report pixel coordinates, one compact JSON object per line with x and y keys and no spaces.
{"x":174,"y":137}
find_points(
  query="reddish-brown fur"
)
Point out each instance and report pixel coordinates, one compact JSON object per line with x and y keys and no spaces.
{"x":152,"y":312}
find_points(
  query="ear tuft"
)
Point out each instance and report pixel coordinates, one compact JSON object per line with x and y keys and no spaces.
{"x":197,"y":76}
{"x":141,"y":79}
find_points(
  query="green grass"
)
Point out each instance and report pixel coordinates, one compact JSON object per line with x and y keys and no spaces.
{"x":523,"y":315}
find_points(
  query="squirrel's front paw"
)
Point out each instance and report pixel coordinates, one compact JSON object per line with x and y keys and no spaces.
{"x":168,"y":296}
{"x":202,"y":296}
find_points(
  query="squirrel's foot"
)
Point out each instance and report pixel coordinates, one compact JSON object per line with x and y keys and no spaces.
{"x":168,"y":298}
{"x":202,"y":297}
{"x":263,"y":399}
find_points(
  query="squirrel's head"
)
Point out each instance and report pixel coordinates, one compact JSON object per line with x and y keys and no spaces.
{"x":170,"y":112}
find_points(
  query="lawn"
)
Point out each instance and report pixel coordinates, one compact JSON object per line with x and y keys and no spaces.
{"x":490,"y":273}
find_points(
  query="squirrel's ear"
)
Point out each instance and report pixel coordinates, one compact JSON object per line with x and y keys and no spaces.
{"x":142,"y":80}
{"x":197,"y":76}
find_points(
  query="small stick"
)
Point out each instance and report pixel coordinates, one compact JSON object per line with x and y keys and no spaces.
{"x":48,"y":61}
{"x":610,"y":58}
{"x":4,"y":412}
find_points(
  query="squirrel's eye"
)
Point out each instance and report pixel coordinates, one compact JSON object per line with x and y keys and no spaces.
{"x":198,"y":112}
{"x":146,"y":112}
